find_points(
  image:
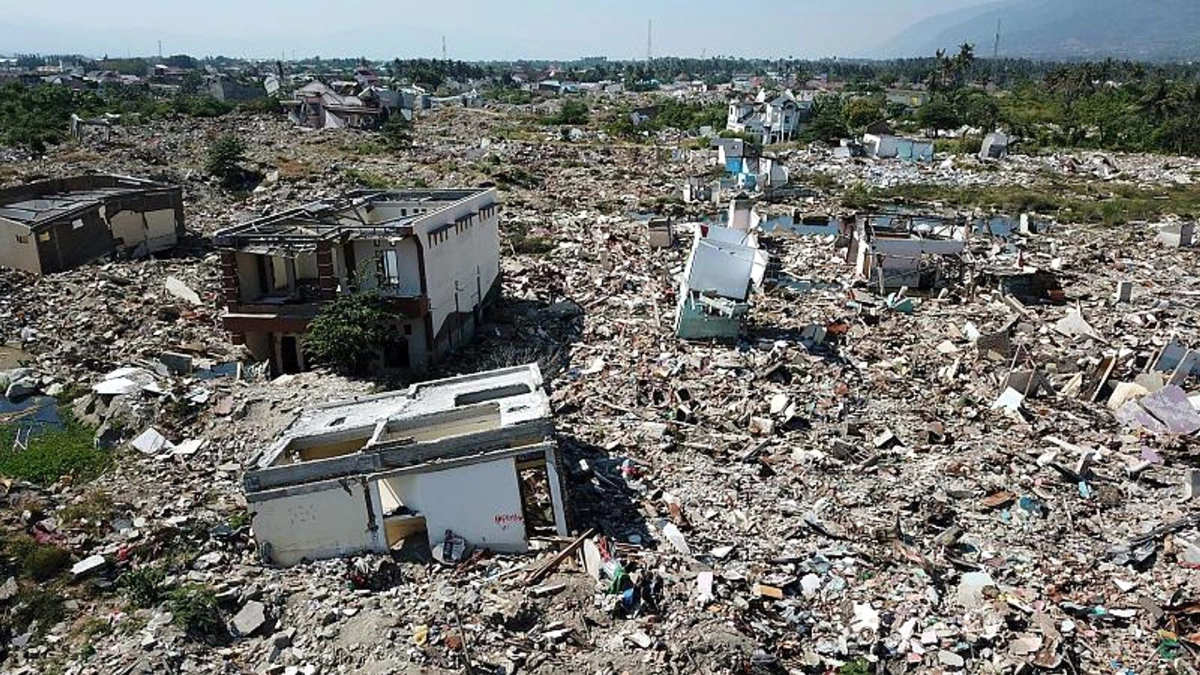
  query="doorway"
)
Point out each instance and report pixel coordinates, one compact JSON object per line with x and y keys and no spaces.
{"x":289,"y":354}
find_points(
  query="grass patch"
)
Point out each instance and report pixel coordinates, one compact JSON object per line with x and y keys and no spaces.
{"x":39,"y":562}
{"x":369,"y":180}
{"x":1107,"y":204}
{"x":194,"y":609}
{"x":144,"y":587}
{"x":70,"y":451}
{"x":856,"y":667}
{"x":41,"y":605}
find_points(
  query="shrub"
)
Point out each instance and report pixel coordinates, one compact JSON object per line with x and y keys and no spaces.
{"x":194,"y":609}
{"x":350,"y":331}
{"x":92,"y":512}
{"x":224,"y":156}
{"x":396,"y":131}
{"x":144,"y":587}
{"x":572,"y":112}
{"x":70,"y":451}
{"x":39,"y":562}
{"x":41,"y":605}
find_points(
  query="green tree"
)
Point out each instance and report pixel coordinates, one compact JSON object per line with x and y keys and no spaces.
{"x":939,"y":114}
{"x":225,"y":156}
{"x":573,"y":112}
{"x":866,"y":110}
{"x":828,"y":121}
{"x":396,"y":131}
{"x":349,"y":332}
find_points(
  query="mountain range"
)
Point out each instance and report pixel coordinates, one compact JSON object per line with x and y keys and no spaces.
{"x":1153,"y":30}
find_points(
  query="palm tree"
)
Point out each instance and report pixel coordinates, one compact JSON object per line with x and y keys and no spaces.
{"x":965,"y":59}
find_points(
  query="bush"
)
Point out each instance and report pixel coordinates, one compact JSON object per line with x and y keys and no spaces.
{"x":572,"y":112}
{"x":194,"y":609}
{"x":40,"y":605}
{"x":70,"y":451}
{"x":396,"y":131}
{"x":92,"y":512}
{"x":349,"y":332}
{"x":224,"y":157}
{"x":143,"y":587}
{"x":40,"y":562}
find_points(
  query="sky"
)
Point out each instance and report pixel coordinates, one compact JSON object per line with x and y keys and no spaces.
{"x":473,"y":29}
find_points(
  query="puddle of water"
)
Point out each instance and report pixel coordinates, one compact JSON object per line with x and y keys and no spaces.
{"x":36,"y":412}
{"x":218,"y":371}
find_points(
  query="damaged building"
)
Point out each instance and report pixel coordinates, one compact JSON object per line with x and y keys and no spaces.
{"x":432,"y":254}
{"x":57,"y":225}
{"x":905,"y":250}
{"x":320,"y":106}
{"x":469,"y":461}
{"x":723,"y":269}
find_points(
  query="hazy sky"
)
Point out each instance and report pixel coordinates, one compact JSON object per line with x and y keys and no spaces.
{"x":474,"y":29}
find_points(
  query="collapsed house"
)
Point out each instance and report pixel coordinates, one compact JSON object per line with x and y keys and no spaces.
{"x":319,"y":106}
{"x":723,"y":269}
{"x":885,"y":145}
{"x":699,"y":189}
{"x":469,"y":460}
{"x":995,"y":146}
{"x":905,"y":250}
{"x":57,"y":225}
{"x":432,"y":255}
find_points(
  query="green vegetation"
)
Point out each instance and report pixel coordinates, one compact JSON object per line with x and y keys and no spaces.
{"x":828,"y":121}
{"x":1108,"y":204}
{"x":510,"y":96}
{"x":669,"y":113}
{"x":39,"y":562}
{"x":194,"y":609}
{"x":524,"y":243}
{"x":53,"y":453}
{"x":369,"y":180}
{"x":38,"y":116}
{"x":397,"y":132}
{"x":144,"y":587}
{"x":573,"y":112}
{"x":350,"y":332}
{"x":856,"y":667}
{"x":41,"y":605}
{"x":224,"y":158}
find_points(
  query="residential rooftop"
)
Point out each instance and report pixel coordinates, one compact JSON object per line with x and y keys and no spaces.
{"x":33,"y":204}
{"x":356,"y":212}
{"x":424,"y":412}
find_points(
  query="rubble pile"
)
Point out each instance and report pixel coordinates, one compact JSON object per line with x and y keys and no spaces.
{"x":940,"y":481}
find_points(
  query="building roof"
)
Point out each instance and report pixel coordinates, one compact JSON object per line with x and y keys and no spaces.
{"x":348,"y":215}
{"x":516,"y":394}
{"x":38,"y":204}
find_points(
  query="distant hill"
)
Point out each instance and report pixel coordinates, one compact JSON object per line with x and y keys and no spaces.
{"x":1155,"y":30}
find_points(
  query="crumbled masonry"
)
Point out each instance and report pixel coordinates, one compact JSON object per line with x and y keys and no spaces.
{"x":994,"y":472}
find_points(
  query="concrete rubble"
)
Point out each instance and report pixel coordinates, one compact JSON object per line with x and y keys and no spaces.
{"x":835,"y":487}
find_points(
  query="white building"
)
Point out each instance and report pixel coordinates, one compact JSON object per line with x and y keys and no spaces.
{"x":434,"y":255}
{"x":444,"y":460}
{"x":767,"y":119}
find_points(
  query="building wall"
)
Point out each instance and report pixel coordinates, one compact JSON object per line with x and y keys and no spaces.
{"x":18,"y":248}
{"x":327,"y":523}
{"x":68,"y":244}
{"x":410,"y":266}
{"x":495,"y":519}
{"x":462,"y":264}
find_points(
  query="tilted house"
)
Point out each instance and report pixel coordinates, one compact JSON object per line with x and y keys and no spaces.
{"x":57,"y":225}
{"x":433,"y":254}
{"x":456,"y":459}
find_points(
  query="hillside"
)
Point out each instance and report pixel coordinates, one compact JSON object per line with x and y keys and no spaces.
{"x":1062,"y":29}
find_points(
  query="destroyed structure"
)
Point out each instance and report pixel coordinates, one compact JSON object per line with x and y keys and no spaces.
{"x":768,"y":120}
{"x":885,"y":145}
{"x":319,"y":106}
{"x":451,"y":458}
{"x":57,"y":225}
{"x":723,"y":269}
{"x":905,"y":250}
{"x":433,"y":255}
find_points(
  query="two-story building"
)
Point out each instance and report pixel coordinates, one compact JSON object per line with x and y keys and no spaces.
{"x":433,"y":254}
{"x":768,"y":119}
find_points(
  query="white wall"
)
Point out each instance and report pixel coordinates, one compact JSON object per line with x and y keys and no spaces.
{"x":315,"y":525}
{"x":480,"y":502}
{"x":410,"y":266}
{"x":471,"y":258}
